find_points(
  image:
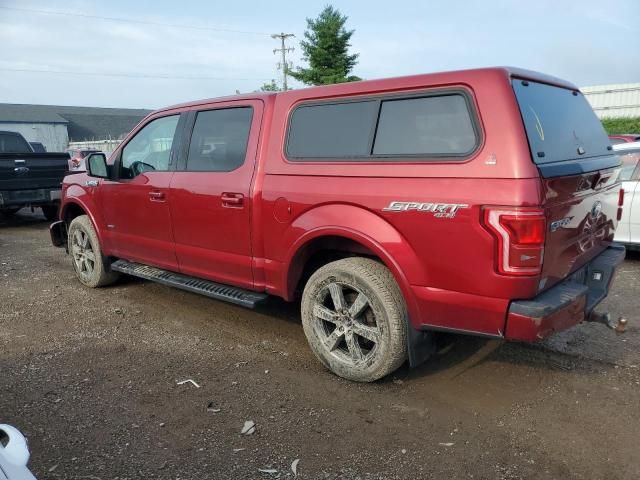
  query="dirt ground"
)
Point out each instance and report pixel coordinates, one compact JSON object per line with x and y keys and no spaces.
{"x":91,"y":377}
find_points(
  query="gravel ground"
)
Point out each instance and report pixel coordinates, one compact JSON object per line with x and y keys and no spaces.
{"x":91,"y":377}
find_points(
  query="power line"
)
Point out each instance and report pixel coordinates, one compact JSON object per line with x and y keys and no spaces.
{"x":284,"y":50}
{"x":128,"y":20}
{"x":124,"y":75}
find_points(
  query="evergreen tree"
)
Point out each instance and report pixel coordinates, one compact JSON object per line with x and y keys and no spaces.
{"x":270,"y":87}
{"x":326,"y":50}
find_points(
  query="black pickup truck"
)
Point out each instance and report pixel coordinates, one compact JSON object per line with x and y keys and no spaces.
{"x":29,"y":179}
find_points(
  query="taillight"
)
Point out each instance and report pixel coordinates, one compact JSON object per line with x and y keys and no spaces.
{"x":620,"y":203}
{"x":520,"y":235}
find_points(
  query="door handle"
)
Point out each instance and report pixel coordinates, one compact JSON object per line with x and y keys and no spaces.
{"x":232,"y":199}
{"x":156,"y":196}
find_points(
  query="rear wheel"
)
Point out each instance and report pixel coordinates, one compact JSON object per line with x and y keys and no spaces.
{"x":50,"y":212}
{"x":88,"y":263}
{"x":355,"y":319}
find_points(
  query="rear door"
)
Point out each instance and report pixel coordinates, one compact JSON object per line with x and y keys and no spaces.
{"x":211,"y":193}
{"x":579,"y":171}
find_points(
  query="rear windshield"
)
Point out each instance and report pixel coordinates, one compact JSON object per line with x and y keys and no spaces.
{"x":12,"y":143}
{"x":560,"y":123}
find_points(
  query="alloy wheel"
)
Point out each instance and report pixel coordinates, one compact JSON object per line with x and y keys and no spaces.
{"x":84,"y":257}
{"x":346,"y":323}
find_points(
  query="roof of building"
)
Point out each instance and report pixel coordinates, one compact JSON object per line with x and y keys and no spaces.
{"x":22,"y":113}
{"x":83,"y":123}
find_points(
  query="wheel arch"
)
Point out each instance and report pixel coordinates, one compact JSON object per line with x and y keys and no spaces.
{"x":367,"y":235}
{"x":74,"y":207}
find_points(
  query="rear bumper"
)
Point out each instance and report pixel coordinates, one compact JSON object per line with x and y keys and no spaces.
{"x":37,"y":196}
{"x":567,"y":303}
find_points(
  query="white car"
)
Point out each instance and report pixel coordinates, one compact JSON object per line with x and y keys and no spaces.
{"x":628,"y":231}
{"x":14,"y":455}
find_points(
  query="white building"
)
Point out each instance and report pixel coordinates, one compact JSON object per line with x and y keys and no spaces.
{"x":614,"y":101}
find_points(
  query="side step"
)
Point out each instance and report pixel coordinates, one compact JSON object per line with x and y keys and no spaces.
{"x":219,"y":291}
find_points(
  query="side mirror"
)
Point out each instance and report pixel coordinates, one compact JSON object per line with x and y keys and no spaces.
{"x":96,"y":164}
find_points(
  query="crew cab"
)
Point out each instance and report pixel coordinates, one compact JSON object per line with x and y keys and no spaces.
{"x":29,"y":179}
{"x":482,"y":202}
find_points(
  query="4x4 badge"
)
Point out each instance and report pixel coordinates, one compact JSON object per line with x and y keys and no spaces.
{"x":439,"y":210}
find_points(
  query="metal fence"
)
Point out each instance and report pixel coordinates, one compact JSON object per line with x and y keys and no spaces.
{"x":106,"y":146}
{"x":614,"y":101}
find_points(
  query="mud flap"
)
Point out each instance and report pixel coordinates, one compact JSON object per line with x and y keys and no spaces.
{"x":420,"y":345}
{"x":58,"y":232}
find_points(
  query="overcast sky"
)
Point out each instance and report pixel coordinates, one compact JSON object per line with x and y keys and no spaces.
{"x":136,"y":64}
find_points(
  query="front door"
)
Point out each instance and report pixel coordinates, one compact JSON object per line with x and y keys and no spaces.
{"x":136,"y":205}
{"x":211,"y":193}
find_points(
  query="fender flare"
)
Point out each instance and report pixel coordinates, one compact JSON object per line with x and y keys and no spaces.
{"x":78,"y":201}
{"x":381,"y":238}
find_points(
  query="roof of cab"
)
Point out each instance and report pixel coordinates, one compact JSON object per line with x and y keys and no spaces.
{"x":427,"y":78}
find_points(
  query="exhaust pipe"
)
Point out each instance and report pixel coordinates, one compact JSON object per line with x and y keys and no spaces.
{"x":619,"y":325}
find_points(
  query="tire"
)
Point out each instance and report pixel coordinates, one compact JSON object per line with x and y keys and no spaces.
{"x":86,"y":255}
{"x":364,"y":338}
{"x":50,"y":212}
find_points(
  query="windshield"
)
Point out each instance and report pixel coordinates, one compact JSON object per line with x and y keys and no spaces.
{"x":560,"y":123}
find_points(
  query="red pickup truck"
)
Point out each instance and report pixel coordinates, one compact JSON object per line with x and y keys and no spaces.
{"x":482,"y":202}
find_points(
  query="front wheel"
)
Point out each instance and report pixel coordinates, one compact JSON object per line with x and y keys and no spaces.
{"x":355,"y":319}
{"x":84,"y":247}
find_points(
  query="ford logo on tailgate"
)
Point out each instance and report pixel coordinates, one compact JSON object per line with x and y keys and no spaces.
{"x":21,"y":170}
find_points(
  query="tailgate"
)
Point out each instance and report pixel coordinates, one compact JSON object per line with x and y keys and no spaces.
{"x":581,"y":219}
{"x":579,"y":174}
{"x":32,"y":170}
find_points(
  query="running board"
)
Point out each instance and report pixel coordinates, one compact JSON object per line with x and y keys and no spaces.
{"x":219,"y":291}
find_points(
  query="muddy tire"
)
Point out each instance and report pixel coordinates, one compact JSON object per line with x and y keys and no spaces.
{"x":86,"y":256}
{"x":355,"y":319}
{"x":50,"y":212}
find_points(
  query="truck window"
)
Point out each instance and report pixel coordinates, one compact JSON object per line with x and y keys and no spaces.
{"x":219,"y":139}
{"x":332,"y":130}
{"x":424,"y":127}
{"x":560,"y":123}
{"x":432,"y":126}
{"x":13,"y":143}
{"x":150,"y":148}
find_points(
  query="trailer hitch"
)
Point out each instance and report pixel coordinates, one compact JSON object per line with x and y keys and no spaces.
{"x":619,"y":325}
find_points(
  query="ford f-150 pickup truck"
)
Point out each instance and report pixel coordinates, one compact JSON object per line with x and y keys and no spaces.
{"x":28,"y":178}
{"x":482,"y":202}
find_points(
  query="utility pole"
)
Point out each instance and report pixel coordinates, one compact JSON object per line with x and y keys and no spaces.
{"x":284,"y":50}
